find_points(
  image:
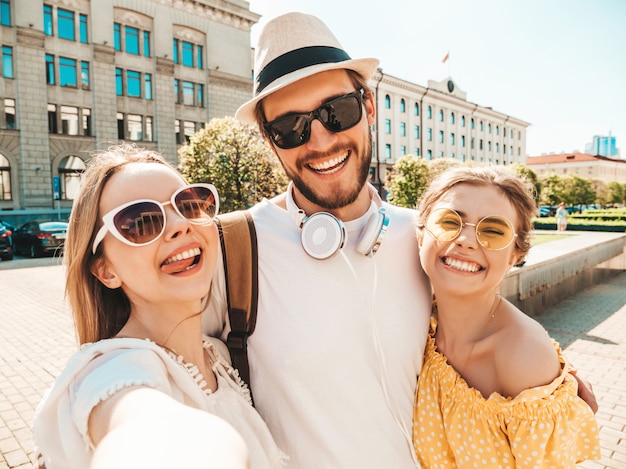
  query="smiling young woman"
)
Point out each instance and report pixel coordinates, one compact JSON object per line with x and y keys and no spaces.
{"x":146,"y":386}
{"x":489,"y":369}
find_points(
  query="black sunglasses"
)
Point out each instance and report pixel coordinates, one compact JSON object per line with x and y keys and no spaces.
{"x":336,"y":115}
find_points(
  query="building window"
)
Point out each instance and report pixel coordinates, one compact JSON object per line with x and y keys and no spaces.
{"x":131,"y":40}
{"x":188,"y":93}
{"x":429,"y":135}
{"x":200,"y":95}
{"x":441,"y":136}
{"x":84,"y":75}
{"x":472,"y":143}
{"x":146,"y":43}
{"x":200,"y":56}
{"x":69,"y":120}
{"x":71,"y":171}
{"x":452,"y":118}
{"x":429,"y":112}
{"x":175,"y":51}
{"x":67,"y":72}
{"x":119,"y":82}
{"x":480,"y":144}
{"x":388,"y":126}
{"x":452,"y":139}
{"x":416,"y":131}
{"x":472,"y":124}
{"x":9,"y":114}
{"x":416,"y":109}
{"x":429,"y":154}
{"x":497,"y":147}
{"x":5,"y":178}
{"x":83,"y":31}
{"x":117,"y":36}
{"x":86,"y":118}
{"x":402,"y":106}
{"x":135,"y":131}
{"x":177,"y":90}
{"x":462,"y":121}
{"x":387,"y":102}
{"x":120,"y":126}
{"x":148,"y":131}
{"x":65,"y":24}
{"x":74,"y":121}
{"x":187,"y":54}
{"x":133,"y":84}
{"x":488,"y":128}
{"x":190,"y":130}
{"x":147,"y":86}
{"x":441,"y":115}
{"x":47,"y":20}
{"x":7,"y":62}
{"x":402,"y":129}
{"x":190,"y":55}
{"x":388,"y":151}
{"x":462,"y":140}
{"x":489,"y":145}
{"x":402,"y":150}
{"x":417,"y":151}
{"x":480,"y":126}
{"x":497,"y":130}
{"x":53,"y":127}
{"x":5,"y":12}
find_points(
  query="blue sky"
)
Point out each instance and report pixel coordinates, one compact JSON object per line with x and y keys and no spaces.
{"x":558,"y":64}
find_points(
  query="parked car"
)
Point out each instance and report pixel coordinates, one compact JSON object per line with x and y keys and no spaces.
{"x":6,"y":241}
{"x":547,"y":210}
{"x":36,"y":238}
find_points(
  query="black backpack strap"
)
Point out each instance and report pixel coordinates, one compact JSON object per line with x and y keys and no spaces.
{"x":239,"y":248}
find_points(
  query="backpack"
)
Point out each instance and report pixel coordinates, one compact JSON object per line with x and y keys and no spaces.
{"x":239,"y":253}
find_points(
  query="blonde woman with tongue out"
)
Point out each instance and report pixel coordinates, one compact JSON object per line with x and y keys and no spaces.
{"x":146,"y":389}
{"x":495,"y":390}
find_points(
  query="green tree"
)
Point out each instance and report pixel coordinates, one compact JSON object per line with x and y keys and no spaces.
{"x":616,"y":193}
{"x":578,"y":190}
{"x":528,"y":175}
{"x":407,"y":181}
{"x":552,"y":189}
{"x":601,"y":189}
{"x":236,"y":160}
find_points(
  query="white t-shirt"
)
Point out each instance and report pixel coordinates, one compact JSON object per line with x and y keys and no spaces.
{"x":338,"y":343}
{"x":101,"y":369}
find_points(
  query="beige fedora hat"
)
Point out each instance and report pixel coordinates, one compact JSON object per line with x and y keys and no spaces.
{"x":294,"y":46}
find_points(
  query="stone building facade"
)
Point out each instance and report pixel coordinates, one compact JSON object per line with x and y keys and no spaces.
{"x":80,"y":75}
{"x":438,"y":121}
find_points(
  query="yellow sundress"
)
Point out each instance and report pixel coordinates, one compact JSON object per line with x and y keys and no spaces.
{"x":542,"y":427}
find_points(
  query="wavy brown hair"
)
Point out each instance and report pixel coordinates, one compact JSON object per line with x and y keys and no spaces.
{"x":516,"y":190}
{"x":99,"y":312}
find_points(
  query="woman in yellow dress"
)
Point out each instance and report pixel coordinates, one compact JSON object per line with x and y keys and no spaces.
{"x":495,"y":390}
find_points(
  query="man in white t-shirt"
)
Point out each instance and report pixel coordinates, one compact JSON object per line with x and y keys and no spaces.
{"x":343,"y":311}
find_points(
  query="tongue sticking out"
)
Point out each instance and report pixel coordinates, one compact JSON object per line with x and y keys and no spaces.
{"x":178,"y":266}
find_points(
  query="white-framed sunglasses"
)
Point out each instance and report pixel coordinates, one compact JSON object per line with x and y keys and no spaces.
{"x":141,"y":222}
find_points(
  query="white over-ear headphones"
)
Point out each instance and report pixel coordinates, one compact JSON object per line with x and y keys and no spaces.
{"x":323,"y":234}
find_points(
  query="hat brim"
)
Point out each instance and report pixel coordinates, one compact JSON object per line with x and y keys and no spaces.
{"x":364,"y":67}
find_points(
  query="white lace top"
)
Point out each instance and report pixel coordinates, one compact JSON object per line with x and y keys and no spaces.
{"x":99,"y":370}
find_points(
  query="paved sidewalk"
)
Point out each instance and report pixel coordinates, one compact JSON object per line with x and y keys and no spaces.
{"x":36,"y":339}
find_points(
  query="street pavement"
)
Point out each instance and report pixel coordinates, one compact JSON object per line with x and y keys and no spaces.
{"x":37,"y":338}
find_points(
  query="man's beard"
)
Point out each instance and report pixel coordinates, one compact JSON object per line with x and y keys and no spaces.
{"x":340,"y":197}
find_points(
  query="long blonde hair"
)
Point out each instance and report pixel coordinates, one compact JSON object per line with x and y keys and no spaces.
{"x":99,"y":312}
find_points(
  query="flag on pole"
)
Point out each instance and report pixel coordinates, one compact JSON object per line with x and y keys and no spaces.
{"x":445,"y":58}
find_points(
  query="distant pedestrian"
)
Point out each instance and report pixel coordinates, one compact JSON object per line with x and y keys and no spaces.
{"x":561,"y":217}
